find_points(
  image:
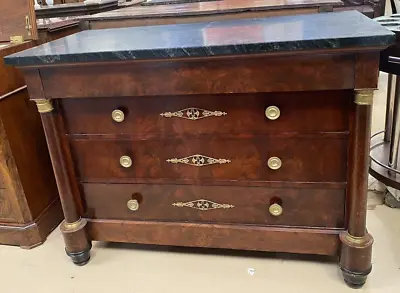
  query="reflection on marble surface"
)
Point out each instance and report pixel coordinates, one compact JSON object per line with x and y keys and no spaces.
{"x":273,"y":34}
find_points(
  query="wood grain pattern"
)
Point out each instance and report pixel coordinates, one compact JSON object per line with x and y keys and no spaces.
{"x":31,"y":234}
{"x":210,"y":76}
{"x":358,"y":169}
{"x":13,"y":19}
{"x":29,"y":203}
{"x":11,"y":77}
{"x":306,"y":112}
{"x":62,"y":171}
{"x":29,"y":150}
{"x":317,"y":207}
{"x":322,"y":161}
{"x":309,"y":241}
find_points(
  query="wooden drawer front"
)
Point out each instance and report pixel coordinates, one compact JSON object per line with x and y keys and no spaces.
{"x":245,"y":205}
{"x":195,"y":77}
{"x":299,"y":112}
{"x":303,"y":159}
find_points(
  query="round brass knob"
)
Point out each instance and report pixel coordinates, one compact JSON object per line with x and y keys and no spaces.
{"x":125,"y":161}
{"x":274,"y":163}
{"x":118,"y":116}
{"x":272,"y":112}
{"x":275,"y":210}
{"x":133,"y":205}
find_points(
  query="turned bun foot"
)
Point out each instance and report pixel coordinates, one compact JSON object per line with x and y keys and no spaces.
{"x":77,"y":245}
{"x":355,"y":280}
{"x":355,"y":258}
{"x":79,"y":258}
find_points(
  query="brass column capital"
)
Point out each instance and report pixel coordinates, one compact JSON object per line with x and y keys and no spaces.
{"x":44,"y":105}
{"x":364,"y":96}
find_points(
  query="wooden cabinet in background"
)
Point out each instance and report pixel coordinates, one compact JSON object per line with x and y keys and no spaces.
{"x":29,"y":203}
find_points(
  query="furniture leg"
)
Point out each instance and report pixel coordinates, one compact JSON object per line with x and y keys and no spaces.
{"x":355,"y":257}
{"x":77,"y":245}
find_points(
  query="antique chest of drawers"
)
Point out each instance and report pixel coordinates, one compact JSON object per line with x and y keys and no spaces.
{"x":255,"y":142}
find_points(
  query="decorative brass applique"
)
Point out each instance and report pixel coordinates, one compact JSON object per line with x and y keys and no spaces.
{"x":44,"y":106}
{"x":203,"y":205}
{"x":198,"y":161}
{"x":193,"y":114}
{"x":364,"y":97}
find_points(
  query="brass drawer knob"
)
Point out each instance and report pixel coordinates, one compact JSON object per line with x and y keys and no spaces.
{"x":274,"y":163}
{"x":125,"y":161}
{"x":118,"y":116}
{"x":275,"y":210}
{"x":272,"y":112}
{"x":133,"y":205}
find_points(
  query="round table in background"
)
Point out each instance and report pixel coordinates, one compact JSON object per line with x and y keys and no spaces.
{"x":384,"y":155}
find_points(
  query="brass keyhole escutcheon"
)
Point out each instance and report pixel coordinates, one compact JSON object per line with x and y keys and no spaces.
{"x":118,"y":116}
{"x":125,"y":161}
{"x":272,"y":112}
{"x":274,"y":163}
{"x":275,"y":210}
{"x":133,"y":205}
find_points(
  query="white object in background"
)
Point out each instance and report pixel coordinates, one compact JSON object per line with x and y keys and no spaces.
{"x":37,"y":4}
{"x":251,"y":271}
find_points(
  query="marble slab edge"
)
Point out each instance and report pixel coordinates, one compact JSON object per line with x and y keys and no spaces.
{"x":225,"y":50}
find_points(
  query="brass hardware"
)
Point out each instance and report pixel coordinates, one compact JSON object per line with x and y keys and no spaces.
{"x":193,"y":114}
{"x":17,"y":39}
{"x":72,"y":226}
{"x":125,"y":161}
{"x":272,"y":112}
{"x":354,"y":239}
{"x":275,"y":210}
{"x":364,"y":97}
{"x":274,"y":163}
{"x":203,"y":205}
{"x":118,"y":116}
{"x":28,"y":25}
{"x":198,"y":161}
{"x":44,"y":106}
{"x":133,"y":205}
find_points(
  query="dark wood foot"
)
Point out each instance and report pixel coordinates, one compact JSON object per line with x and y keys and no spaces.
{"x":355,"y":280}
{"x":77,"y":244}
{"x":355,"y":258}
{"x":79,"y":258}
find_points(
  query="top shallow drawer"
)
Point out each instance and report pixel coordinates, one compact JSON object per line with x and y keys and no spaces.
{"x":310,"y":112}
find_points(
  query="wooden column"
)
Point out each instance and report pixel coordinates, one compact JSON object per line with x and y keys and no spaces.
{"x":77,"y":245}
{"x":355,"y":259}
